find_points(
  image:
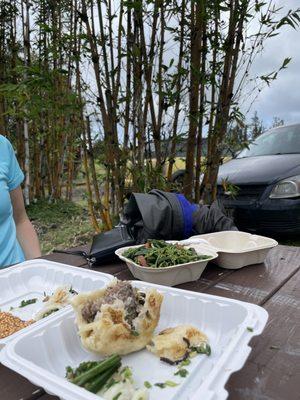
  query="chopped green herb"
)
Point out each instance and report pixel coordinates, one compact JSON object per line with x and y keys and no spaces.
{"x":204,"y":348}
{"x":171,"y":383}
{"x":69,"y":372}
{"x":117,"y":396}
{"x":185,"y":362}
{"x":249,"y":329}
{"x":127,"y":372}
{"x":160,"y":385}
{"x":111,"y":383}
{"x":25,"y":303}
{"x":11,"y":308}
{"x":50,"y":312}
{"x":182,"y":372}
{"x":167,"y":383}
{"x":134,"y":333}
{"x":147,"y":385}
{"x":72,"y":291}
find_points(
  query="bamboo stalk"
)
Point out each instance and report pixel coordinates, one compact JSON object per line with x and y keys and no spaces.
{"x":26,"y":40}
{"x":201,"y":107}
{"x":103,"y":213}
{"x":178,"y":95}
{"x":196,"y":36}
{"x":88,"y":185}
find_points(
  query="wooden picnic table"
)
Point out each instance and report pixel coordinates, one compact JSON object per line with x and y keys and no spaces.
{"x":272,"y":371}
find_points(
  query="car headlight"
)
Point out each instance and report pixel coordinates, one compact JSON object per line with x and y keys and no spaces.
{"x":287,"y":188}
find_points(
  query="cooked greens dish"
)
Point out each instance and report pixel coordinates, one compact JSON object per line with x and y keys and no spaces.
{"x":160,"y":254}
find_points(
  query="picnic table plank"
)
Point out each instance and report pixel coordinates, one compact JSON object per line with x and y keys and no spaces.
{"x":14,"y":386}
{"x":70,"y":259}
{"x":46,"y":397}
{"x":273,"y":368}
{"x":111,"y":267}
{"x":257,"y":283}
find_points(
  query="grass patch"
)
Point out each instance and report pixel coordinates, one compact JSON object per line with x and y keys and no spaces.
{"x":60,"y":225}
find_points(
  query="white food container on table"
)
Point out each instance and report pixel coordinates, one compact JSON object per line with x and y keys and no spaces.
{"x":34,"y":279}
{"x":237,"y":249}
{"x":173,"y":275}
{"x":42,"y":353}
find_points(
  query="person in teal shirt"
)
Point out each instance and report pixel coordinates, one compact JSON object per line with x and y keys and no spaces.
{"x":18,"y":239}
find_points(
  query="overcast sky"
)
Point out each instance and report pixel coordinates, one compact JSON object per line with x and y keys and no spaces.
{"x":282,"y":98}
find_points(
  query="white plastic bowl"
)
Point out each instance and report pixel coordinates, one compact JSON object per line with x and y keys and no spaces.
{"x":173,"y":275}
{"x":238,"y":249}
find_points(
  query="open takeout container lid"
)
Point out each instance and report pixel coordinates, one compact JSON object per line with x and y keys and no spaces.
{"x":237,"y":249}
{"x":42,"y":353}
{"x":31,"y":279}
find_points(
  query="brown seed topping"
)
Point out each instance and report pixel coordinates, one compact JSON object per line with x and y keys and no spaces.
{"x":10,"y":324}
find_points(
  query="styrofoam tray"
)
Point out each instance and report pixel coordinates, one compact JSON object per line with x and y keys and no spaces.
{"x":42,"y":353}
{"x":237,"y":249}
{"x":173,"y":275}
{"x":31,"y":279}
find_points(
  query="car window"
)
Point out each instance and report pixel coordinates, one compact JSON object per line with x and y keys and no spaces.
{"x":283,"y":140}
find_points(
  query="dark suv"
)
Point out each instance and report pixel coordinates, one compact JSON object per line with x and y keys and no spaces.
{"x":261,"y":186}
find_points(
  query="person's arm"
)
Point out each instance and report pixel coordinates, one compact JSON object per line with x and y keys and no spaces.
{"x":26,"y":234}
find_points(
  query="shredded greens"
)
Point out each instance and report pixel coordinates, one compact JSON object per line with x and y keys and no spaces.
{"x":160,"y":254}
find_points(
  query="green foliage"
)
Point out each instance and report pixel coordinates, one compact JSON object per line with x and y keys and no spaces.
{"x":60,"y":224}
{"x":136,"y":69}
{"x":36,"y":91}
{"x":52,"y":212}
{"x":229,"y":188}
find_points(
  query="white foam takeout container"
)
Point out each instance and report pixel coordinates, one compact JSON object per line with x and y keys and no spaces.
{"x":173,"y":275}
{"x":31,"y":279}
{"x":237,"y":249}
{"x":42,"y":353}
